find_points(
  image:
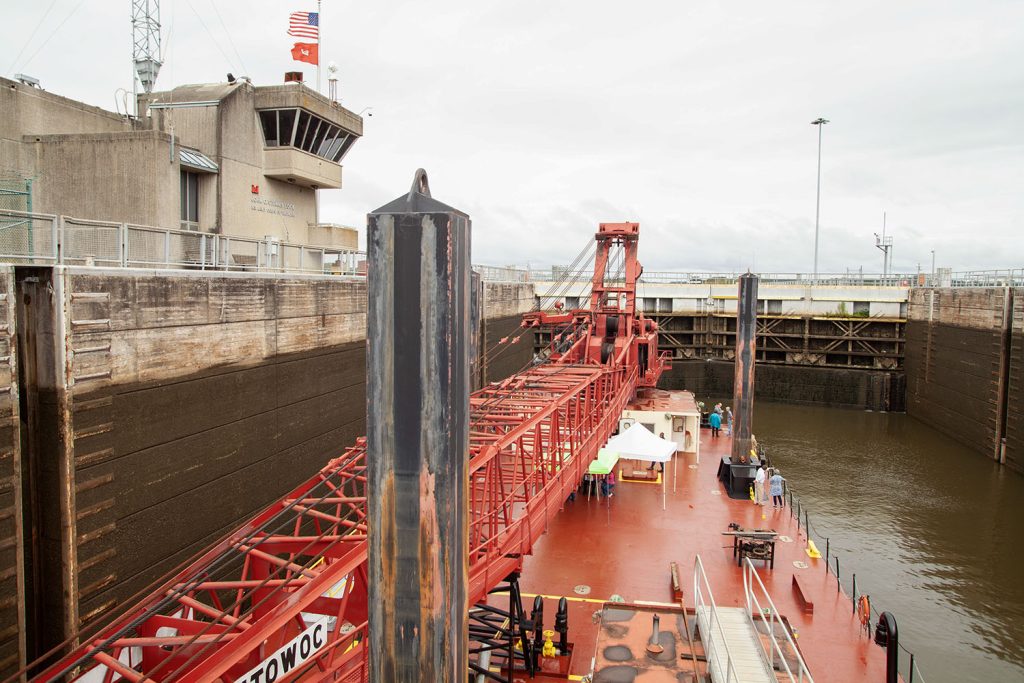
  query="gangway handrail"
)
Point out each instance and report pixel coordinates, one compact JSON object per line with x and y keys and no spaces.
{"x":710,"y":648}
{"x":751,"y":581}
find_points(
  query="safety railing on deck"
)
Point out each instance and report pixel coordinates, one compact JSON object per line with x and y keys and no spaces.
{"x":712,"y":653}
{"x":761,"y":607}
{"x":803,"y":521}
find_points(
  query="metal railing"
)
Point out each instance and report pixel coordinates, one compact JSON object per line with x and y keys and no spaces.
{"x":801,"y":513}
{"x":558,"y":274}
{"x":711,"y":649}
{"x":502,"y":273}
{"x":46,"y":239}
{"x":755,"y":592}
{"x":1007,"y":277}
{"x":63,"y":240}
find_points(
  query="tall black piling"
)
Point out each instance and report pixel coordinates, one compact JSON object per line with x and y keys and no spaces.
{"x":743,"y":386}
{"x":418,"y":254}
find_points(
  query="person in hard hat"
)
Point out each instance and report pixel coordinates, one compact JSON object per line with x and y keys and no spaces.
{"x":775,"y":483}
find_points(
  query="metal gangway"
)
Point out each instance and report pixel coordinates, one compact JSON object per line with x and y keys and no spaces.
{"x":734,"y":648}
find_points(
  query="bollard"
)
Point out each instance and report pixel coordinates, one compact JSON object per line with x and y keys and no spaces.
{"x":743,"y":382}
{"x":826,"y":554}
{"x":887,"y":636}
{"x":839,"y":583}
{"x":855,"y":593}
{"x":418,"y":278}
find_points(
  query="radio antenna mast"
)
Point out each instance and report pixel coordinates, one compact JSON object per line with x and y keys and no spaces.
{"x":145,"y":45}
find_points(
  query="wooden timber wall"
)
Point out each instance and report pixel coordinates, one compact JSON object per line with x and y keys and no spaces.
{"x":965,"y":373}
{"x":165,"y":408}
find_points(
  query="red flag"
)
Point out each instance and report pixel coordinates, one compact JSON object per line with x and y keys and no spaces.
{"x":306,"y":52}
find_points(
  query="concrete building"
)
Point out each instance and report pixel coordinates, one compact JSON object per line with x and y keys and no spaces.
{"x":227,"y":158}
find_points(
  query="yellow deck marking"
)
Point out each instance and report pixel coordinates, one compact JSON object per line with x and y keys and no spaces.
{"x":556,"y":597}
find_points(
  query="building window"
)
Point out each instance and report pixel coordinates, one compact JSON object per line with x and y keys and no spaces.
{"x":270,"y":128}
{"x":774,"y":306}
{"x":302,"y":130}
{"x":189,"y":200}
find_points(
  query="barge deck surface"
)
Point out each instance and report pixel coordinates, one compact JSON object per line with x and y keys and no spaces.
{"x":624,"y":545}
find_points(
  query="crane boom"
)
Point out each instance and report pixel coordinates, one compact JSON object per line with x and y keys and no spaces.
{"x":285,"y":595}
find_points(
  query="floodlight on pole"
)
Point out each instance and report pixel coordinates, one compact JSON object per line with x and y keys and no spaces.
{"x":819,"y":122}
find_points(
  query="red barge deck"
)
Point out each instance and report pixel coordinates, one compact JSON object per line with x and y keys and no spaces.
{"x":624,"y":545}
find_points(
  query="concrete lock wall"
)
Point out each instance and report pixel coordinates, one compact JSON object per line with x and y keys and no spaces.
{"x":964,"y":367}
{"x":165,"y":408}
{"x":12,"y":576}
{"x":841,"y":388}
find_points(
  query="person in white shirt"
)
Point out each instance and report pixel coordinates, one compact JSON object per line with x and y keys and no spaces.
{"x":759,"y":496}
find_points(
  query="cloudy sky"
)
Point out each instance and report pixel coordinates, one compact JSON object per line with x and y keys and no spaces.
{"x":542,"y":118}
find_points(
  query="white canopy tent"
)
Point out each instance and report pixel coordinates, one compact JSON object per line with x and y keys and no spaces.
{"x":638,"y":443}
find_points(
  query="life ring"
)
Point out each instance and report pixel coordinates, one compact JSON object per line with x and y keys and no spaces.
{"x":864,"y":610}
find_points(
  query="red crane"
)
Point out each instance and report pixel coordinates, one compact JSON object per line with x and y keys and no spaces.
{"x":284,"y":596}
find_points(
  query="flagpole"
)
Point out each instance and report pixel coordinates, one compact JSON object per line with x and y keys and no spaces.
{"x":319,"y":30}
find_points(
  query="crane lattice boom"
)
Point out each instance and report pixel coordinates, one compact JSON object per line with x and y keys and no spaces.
{"x":284,"y":596}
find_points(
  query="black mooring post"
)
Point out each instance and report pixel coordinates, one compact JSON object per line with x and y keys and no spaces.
{"x":418,"y":263}
{"x":887,"y":636}
{"x":743,"y":384}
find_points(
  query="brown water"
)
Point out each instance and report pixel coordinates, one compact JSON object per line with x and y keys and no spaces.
{"x":934,"y":531}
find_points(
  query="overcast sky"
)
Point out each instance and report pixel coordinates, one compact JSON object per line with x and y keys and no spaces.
{"x":542,"y":118}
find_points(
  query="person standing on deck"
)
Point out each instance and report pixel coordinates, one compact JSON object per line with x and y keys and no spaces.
{"x":728,"y":421}
{"x":716,"y":422}
{"x":759,"y":480}
{"x":775,"y":484}
{"x":661,"y":465}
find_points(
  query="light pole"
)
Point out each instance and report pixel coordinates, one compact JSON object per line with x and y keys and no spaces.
{"x":819,"y":122}
{"x":933,"y":268}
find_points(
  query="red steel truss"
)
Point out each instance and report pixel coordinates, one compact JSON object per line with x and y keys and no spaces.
{"x":284,"y":597}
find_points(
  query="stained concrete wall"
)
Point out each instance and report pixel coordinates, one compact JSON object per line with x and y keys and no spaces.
{"x":963,"y":367}
{"x":858,"y":389}
{"x":124,"y":177}
{"x":504,"y":304}
{"x":11,"y":542}
{"x":191,"y":400}
{"x":1014,"y":452}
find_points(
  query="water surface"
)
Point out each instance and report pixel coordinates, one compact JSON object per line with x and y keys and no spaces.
{"x":934,"y":531}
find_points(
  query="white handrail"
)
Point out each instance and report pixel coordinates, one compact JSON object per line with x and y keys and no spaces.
{"x":700,"y":580}
{"x":751,"y":581}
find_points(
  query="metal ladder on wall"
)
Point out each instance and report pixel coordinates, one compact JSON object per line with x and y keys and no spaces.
{"x":733,"y":648}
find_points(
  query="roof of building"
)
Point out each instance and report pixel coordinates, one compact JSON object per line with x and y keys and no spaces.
{"x":657,"y":400}
{"x":197,"y":92}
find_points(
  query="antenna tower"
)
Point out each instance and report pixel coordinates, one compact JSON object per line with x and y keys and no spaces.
{"x":883,"y":242}
{"x":146,"y":42}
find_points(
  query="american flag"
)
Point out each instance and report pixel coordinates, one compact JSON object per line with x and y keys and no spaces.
{"x":304,"y":24}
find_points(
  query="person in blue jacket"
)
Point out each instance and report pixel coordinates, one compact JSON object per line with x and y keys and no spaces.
{"x":716,"y":423}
